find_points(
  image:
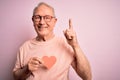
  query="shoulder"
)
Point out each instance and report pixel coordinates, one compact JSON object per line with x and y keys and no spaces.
{"x":26,"y":44}
{"x":63,"y":42}
{"x":60,"y":40}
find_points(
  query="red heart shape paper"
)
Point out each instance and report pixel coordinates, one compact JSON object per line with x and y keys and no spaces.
{"x":49,"y":61}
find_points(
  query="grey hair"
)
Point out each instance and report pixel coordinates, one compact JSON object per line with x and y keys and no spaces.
{"x":45,"y":4}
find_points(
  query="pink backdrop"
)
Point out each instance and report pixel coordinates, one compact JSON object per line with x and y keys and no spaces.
{"x":97,"y":24}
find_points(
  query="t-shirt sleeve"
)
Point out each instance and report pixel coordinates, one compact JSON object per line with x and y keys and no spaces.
{"x":69,"y":49}
{"x":18,"y":64}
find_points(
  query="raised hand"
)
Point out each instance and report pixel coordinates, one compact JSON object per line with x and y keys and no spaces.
{"x":71,"y":35}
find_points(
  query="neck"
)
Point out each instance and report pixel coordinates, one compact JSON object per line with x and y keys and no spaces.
{"x":44,"y":38}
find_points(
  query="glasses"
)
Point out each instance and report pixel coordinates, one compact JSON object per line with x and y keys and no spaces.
{"x":47,"y":18}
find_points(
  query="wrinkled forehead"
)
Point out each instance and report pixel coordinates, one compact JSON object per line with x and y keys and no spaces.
{"x":43,"y":10}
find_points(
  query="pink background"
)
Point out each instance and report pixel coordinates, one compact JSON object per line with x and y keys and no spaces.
{"x":96,"y":22}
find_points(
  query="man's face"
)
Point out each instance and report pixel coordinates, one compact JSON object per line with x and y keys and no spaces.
{"x":44,"y":21}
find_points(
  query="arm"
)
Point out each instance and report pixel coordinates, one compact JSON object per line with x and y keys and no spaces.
{"x":80,"y":64}
{"x":22,"y":74}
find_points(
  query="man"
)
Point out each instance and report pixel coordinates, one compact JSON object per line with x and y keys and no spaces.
{"x":48,"y":57}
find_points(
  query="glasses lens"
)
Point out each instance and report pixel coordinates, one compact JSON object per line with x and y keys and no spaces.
{"x":48,"y":18}
{"x":36,"y":18}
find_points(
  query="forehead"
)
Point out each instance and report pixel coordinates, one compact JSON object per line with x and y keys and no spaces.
{"x":43,"y":10}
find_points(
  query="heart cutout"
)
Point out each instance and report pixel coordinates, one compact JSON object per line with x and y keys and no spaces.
{"x":49,"y":61}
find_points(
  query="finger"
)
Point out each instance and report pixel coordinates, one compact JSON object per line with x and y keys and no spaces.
{"x":70,"y":24}
{"x":67,"y":34}
{"x":38,"y":59}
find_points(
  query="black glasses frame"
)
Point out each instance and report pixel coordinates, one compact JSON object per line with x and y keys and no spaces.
{"x":47,"y":18}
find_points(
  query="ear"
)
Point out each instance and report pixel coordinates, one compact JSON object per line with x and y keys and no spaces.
{"x":32,"y":19}
{"x":55,"y":20}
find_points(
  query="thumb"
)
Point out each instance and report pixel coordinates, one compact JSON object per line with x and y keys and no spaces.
{"x":64,"y":32}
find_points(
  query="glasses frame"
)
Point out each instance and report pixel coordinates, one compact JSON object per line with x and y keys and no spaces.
{"x":47,"y":18}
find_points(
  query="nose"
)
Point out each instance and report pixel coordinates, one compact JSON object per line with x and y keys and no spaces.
{"x":42,"y":21}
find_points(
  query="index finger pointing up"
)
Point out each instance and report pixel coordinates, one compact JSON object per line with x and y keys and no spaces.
{"x":70,"y":24}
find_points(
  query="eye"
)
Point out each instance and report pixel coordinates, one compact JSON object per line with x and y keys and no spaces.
{"x":36,"y":17}
{"x":47,"y":17}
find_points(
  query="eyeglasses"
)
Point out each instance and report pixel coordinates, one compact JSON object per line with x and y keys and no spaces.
{"x":38,"y":18}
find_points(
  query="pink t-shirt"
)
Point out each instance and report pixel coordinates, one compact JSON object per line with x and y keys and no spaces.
{"x":57,"y":48}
